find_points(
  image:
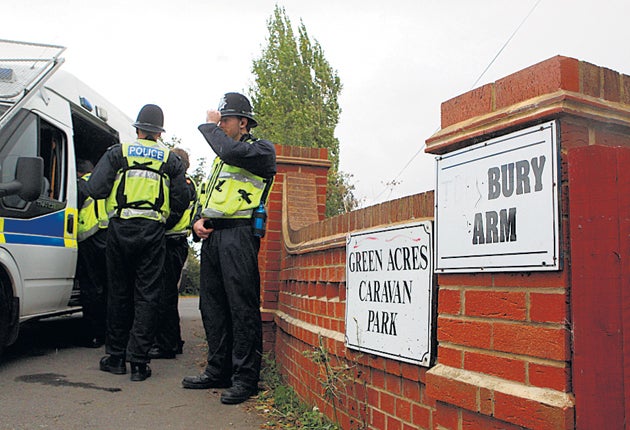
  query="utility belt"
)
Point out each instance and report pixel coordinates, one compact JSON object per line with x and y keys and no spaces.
{"x":223,"y":223}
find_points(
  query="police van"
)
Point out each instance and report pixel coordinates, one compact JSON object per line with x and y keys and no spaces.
{"x":48,"y":120}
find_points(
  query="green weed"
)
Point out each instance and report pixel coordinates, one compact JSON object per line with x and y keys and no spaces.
{"x":281,"y":406}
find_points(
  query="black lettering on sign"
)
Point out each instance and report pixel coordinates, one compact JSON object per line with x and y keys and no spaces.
{"x":495,"y":228}
{"x":408,"y":258}
{"x":389,"y":291}
{"x":366,"y":261}
{"x":538,"y":165}
{"x":506,"y":179}
{"x":382,"y":322}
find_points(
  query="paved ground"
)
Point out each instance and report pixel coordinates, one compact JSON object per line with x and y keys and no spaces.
{"x":47,"y":382}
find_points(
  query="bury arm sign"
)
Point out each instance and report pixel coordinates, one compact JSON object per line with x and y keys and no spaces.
{"x":497,"y":204}
{"x":389,"y":292}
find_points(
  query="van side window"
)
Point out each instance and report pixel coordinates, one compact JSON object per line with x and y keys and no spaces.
{"x":29,"y":135}
{"x":51,"y":150}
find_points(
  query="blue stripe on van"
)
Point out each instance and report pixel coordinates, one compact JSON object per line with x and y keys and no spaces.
{"x":47,"y":225}
{"x":25,"y":239}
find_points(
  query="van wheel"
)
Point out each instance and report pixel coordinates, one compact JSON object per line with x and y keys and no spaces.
{"x":5,"y":315}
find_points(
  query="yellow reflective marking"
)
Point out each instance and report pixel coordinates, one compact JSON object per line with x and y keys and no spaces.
{"x":70,"y":239}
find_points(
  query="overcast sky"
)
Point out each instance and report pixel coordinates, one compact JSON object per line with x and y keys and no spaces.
{"x":398,"y":60}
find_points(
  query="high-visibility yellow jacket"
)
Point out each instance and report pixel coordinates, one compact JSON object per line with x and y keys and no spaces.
{"x":141,"y":188}
{"x":92,"y":216}
{"x":232,"y":192}
{"x":183,"y":226}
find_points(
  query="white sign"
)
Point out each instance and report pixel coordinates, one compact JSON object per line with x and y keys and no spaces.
{"x":497,"y":204}
{"x":389,"y":299}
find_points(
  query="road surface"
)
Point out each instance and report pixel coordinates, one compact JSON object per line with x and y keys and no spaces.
{"x":48,"y":382}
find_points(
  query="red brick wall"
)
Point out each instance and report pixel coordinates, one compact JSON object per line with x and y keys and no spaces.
{"x":505,"y":347}
{"x":379,"y":392}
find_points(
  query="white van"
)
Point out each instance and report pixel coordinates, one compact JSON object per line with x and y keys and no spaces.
{"x":49,"y":117}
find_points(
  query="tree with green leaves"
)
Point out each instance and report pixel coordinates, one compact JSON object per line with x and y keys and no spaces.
{"x":295,"y":97}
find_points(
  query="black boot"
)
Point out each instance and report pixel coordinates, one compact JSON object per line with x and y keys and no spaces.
{"x":238,"y":393}
{"x":203,"y":382}
{"x":113,"y":364}
{"x":140,"y":371}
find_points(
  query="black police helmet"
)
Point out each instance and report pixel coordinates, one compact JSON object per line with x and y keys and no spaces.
{"x":151,"y":119}
{"x":235,"y":104}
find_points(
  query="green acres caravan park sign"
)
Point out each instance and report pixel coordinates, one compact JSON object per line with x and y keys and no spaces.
{"x":389,"y":298}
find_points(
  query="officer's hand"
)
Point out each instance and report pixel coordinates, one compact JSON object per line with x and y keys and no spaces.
{"x":200,"y":230}
{"x":213,"y":116}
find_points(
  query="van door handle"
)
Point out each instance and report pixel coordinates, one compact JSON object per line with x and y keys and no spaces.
{"x":70,"y":224}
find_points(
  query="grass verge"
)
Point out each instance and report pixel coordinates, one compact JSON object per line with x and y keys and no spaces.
{"x":280,"y":406}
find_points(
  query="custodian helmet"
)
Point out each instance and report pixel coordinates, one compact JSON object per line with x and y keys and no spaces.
{"x":151,"y":119}
{"x":235,"y":104}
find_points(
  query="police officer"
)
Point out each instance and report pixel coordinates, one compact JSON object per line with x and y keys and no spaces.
{"x":91,"y":267}
{"x":229,"y":296}
{"x":146,"y":192}
{"x":168,"y":338}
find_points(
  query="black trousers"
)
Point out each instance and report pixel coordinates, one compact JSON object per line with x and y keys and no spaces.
{"x":229,"y":301}
{"x":92,"y":276}
{"x":135,"y":258}
{"x":168,"y":334}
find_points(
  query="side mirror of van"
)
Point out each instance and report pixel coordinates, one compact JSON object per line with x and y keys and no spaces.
{"x":29,"y":173}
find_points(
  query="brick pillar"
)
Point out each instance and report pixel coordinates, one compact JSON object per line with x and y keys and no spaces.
{"x":310,"y":164}
{"x":600,"y":285}
{"x":505,"y":345}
